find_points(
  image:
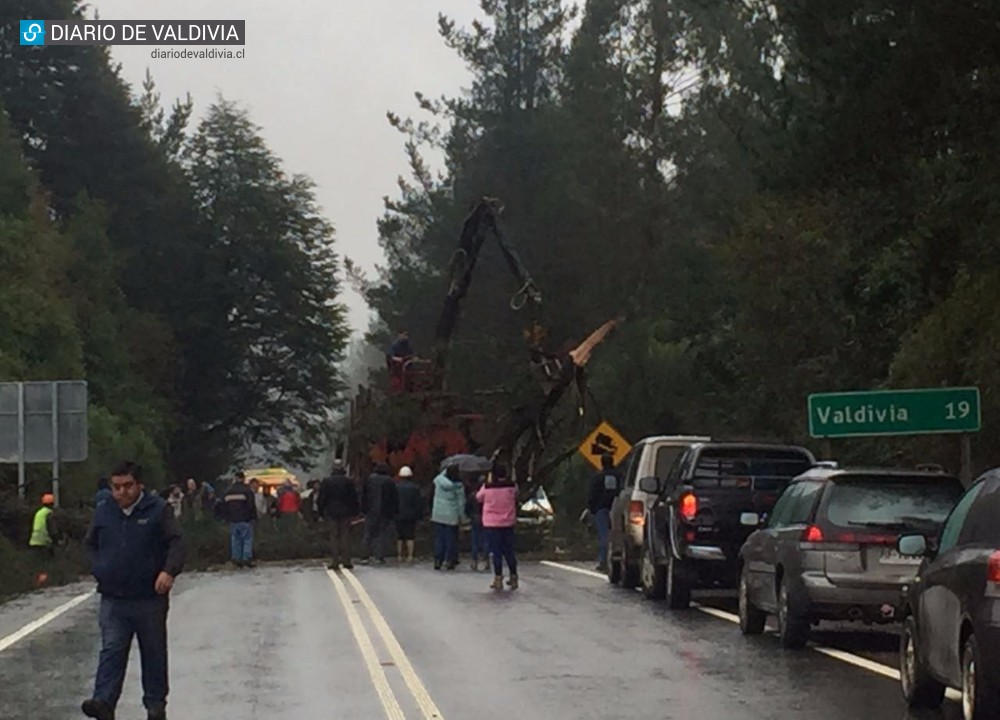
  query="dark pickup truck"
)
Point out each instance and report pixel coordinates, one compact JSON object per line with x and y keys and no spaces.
{"x":694,"y":530}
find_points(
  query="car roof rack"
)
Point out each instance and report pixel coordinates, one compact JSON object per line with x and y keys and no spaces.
{"x":829,"y":464}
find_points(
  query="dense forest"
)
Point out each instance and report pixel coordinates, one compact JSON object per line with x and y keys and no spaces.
{"x":173,"y":265}
{"x":780,"y":196}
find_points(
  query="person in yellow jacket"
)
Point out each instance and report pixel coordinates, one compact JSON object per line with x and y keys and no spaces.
{"x":43,"y":529}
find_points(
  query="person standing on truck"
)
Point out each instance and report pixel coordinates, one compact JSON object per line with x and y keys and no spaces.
{"x":411,"y":511}
{"x":338,"y":503}
{"x":399,"y":353}
{"x":240,"y":509}
{"x":136,"y":551}
{"x":379,"y":503}
{"x":604,"y":488}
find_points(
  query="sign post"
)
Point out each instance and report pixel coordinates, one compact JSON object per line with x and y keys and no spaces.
{"x":43,"y":422}
{"x":55,"y":443}
{"x":930,"y":411}
{"x":604,"y":440}
{"x":20,"y":441}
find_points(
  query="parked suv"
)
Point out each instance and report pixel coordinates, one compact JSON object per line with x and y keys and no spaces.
{"x":651,"y":457}
{"x":828,"y":550}
{"x":951,"y":633}
{"x":693,"y":531}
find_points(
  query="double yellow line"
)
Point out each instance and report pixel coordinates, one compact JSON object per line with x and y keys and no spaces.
{"x":390,"y":704}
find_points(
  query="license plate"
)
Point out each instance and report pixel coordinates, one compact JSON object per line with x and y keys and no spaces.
{"x":891,"y":556}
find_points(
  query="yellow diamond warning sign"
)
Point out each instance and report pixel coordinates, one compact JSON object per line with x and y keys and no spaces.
{"x":604,"y":439}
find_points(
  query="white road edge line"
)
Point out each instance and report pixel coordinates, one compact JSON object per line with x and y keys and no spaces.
{"x":413,"y":682}
{"x":44,"y":620}
{"x":843,"y":656}
{"x":379,"y":680}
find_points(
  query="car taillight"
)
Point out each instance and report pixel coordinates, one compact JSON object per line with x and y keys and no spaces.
{"x":637,"y":512}
{"x":689,"y":506}
{"x":812,"y":534}
{"x":993,"y":568}
{"x":841,"y":541}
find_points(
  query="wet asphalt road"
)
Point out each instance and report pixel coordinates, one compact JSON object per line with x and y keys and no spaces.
{"x":279,"y":641}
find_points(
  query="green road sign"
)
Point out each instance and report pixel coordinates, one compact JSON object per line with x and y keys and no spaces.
{"x":894,"y":412}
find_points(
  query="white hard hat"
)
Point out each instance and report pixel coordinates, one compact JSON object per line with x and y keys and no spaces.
{"x":405,"y":471}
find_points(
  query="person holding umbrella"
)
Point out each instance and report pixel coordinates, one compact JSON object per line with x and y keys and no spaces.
{"x":447,"y":513}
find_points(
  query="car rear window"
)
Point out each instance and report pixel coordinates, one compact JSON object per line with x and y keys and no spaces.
{"x":760,"y":469}
{"x":665,"y":458}
{"x":917,"y":504}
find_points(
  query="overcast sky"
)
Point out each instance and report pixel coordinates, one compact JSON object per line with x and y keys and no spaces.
{"x":318,"y":78}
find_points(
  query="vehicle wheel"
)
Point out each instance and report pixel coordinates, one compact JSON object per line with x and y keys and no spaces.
{"x":630,"y":571}
{"x":614,"y":570}
{"x":752,"y":618}
{"x":654,"y":578}
{"x":979,"y":700}
{"x":678,"y":589}
{"x":793,"y":621}
{"x":919,"y":689}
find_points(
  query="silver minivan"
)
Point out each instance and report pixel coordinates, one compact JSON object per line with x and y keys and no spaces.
{"x":828,"y":549}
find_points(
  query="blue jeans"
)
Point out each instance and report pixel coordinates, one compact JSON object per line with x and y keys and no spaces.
{"x":480,"y":542}
{"x":502,"y":547}
{"x":120,"y":620}
{"x":241,"y":541}
{"x":602,"y":519}
{"x":445,"y":544}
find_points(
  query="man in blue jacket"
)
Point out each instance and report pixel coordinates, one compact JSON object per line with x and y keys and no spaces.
{"x":136,"y":551}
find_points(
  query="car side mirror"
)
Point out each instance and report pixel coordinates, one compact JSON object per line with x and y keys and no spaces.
{"x":912,"y":545}
{"x":650,"y":485}
{"x":750,"y":519}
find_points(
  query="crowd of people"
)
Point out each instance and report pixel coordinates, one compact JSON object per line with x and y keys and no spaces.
{"x":390,"y":505}
{"x":136,"y":547}
{"x":386,"y":505}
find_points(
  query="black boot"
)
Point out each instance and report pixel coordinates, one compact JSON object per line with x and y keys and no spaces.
{"x":98,"y":709}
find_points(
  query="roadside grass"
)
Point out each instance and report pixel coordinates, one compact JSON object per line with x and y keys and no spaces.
{"x":276,"y":540}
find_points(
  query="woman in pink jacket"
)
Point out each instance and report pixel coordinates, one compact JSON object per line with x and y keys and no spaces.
{"x":499,"y":500}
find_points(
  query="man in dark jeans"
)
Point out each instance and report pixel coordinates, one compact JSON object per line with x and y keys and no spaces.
{"x":379,"y":503}
{"x":604,"y":488}
{"x":338,"y":503}
{"x":239,"y":507}
{"x":136,"y":551}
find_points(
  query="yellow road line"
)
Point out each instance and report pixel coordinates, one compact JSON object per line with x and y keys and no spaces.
{"x":389,"y":703}
{"x":420,"y":694}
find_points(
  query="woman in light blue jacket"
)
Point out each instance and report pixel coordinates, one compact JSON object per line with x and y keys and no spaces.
{"x":447,"y":514}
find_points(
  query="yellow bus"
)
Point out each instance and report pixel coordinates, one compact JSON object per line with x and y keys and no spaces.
{"x":271,"y":478}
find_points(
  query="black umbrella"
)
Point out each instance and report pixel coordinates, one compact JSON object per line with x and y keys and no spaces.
{"x":468,"y":464}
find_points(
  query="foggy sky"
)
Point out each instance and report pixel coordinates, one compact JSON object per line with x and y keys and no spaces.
{"x":318,"y":78}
